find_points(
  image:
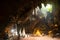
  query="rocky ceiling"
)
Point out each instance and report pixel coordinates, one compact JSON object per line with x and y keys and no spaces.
{"x":21,"y":7}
